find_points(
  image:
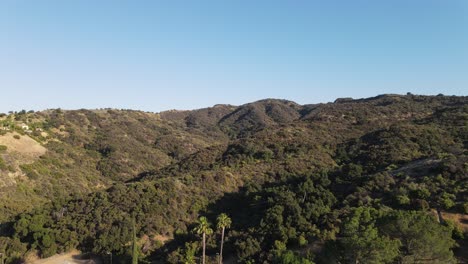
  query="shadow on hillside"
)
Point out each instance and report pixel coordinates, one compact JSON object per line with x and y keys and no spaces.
{"x":244,"y":207}
{"x":233,"y":204}
{"x":141,"y":176}
{"x":6,"y":229}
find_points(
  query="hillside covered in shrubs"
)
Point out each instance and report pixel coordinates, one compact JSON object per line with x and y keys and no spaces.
{"x":376,"y":180}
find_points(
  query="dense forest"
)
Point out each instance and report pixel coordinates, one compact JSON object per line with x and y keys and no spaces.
{"x":375,"y":180}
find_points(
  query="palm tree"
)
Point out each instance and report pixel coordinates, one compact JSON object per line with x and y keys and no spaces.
{"x":223,"y":222}
{"x":203,"y":229}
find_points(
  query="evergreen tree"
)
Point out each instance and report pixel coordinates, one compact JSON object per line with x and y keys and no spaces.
{"x":135,"y":245}
{"x":423,"y":238}
{"x":361,"y":242}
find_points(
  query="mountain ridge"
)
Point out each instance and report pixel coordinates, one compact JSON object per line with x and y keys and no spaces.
{"x":103,"y":166}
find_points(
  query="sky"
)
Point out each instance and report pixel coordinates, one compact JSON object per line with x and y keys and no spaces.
{"x":158,"y":55}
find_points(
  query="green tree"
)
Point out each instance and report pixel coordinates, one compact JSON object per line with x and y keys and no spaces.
{"x":189,"y":252}
{"x":12,"y":250}
{"x":423,"y":239}
{"x":135,"y":244}
{"x":361,"y":242}
{"x":203,"y":228}
{"x":288,"y":257}
{"x":223,"y":222}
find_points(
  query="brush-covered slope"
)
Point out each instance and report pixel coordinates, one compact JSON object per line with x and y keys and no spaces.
{"x":294,"y":178}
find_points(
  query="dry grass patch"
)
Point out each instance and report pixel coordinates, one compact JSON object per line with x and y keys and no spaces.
{"x":24,"y":148}
{"x":460,"y":220}
{"x":72,"y":257}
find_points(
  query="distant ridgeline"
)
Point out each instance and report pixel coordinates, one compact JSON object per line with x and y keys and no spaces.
{"x":376,"y":180}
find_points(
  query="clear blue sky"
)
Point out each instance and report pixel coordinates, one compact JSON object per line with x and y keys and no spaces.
{"x":158,"y":55}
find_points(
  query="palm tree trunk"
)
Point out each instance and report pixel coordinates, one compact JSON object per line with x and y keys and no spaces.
{"x":221,"y":249}
{"x":203,"y":248}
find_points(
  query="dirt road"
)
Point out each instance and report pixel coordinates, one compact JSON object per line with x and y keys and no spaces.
{"x":73,"y":257}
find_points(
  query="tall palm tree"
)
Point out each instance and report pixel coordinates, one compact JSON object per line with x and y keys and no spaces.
{"x":223,"y":222}
{"x":203,"y":229}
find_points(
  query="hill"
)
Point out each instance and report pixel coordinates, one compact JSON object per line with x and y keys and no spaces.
{"x":301,"y":183}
